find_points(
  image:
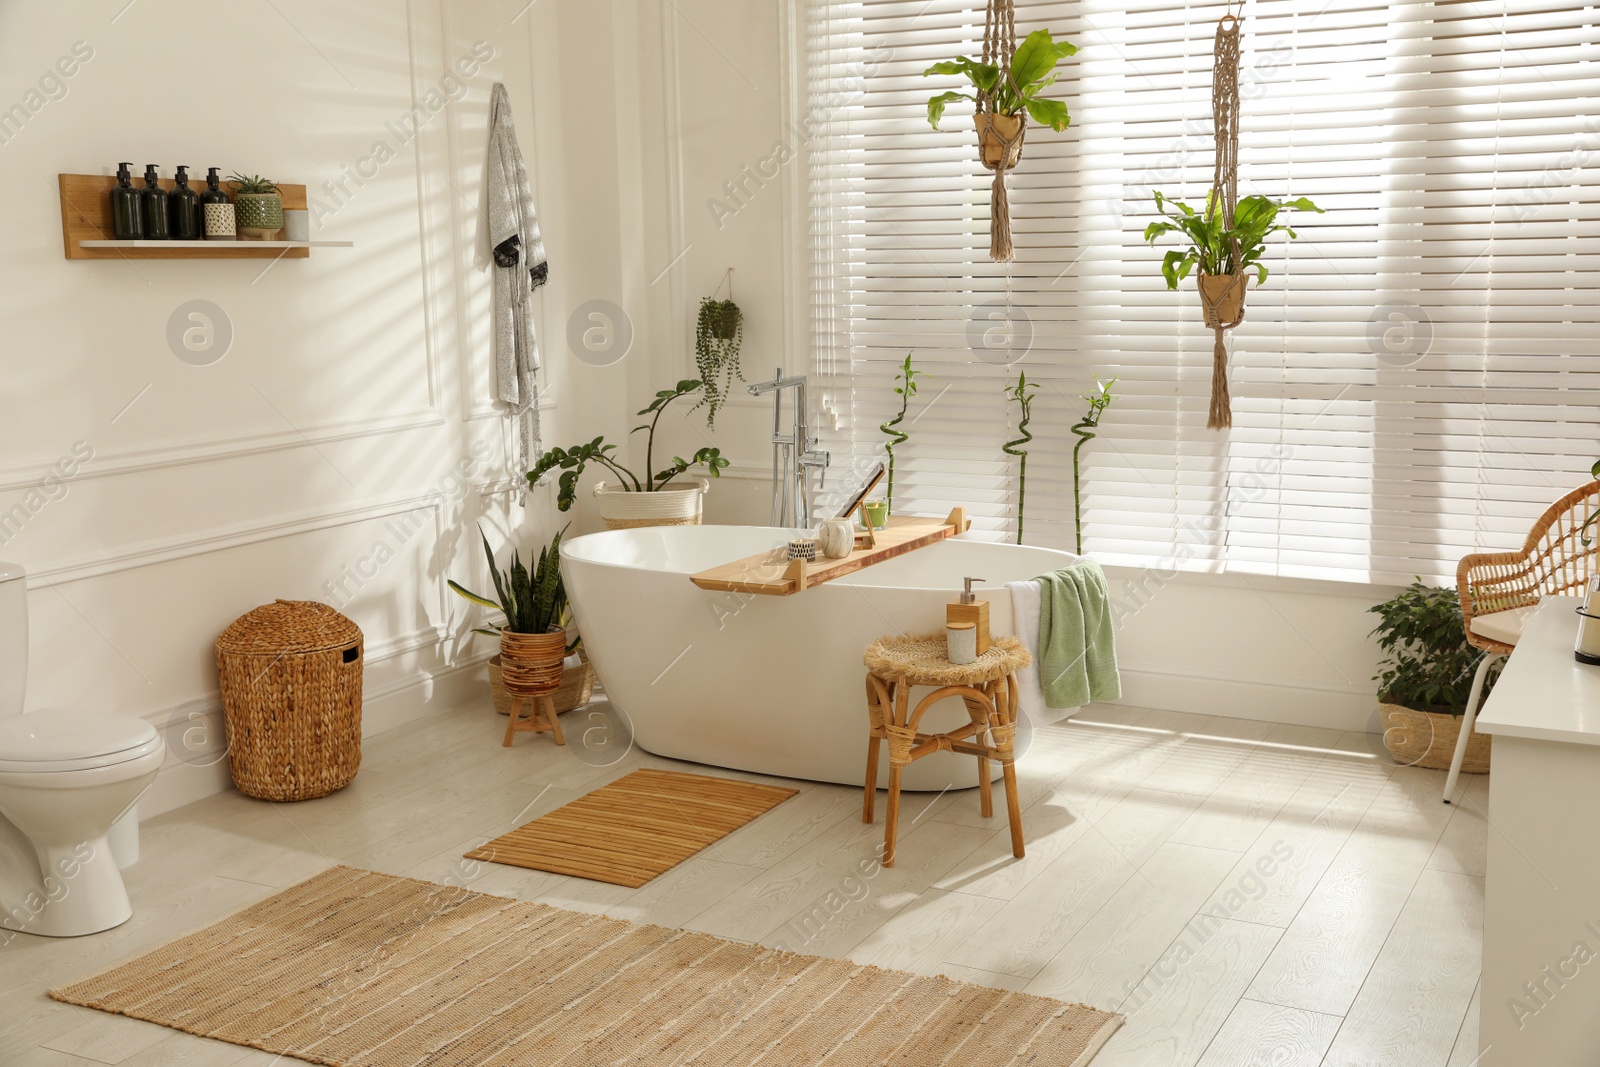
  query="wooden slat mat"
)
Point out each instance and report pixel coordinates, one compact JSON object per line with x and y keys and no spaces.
{"x":356,"y":969}
{"x":636,"y":828}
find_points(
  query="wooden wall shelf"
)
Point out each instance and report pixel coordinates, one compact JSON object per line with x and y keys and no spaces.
{"x":770,"y":574}
{"x":86,"y":231}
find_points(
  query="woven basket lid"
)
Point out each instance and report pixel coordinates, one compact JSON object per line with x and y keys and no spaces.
{"x":288,"y":626}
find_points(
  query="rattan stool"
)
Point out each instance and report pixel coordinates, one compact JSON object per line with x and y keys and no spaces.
{"x":987,"y":686}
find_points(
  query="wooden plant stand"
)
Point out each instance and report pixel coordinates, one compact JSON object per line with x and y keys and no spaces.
{"x":544,"y":718}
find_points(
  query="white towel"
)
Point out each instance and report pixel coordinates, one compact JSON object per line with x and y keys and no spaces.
{"x":518,"y":262}
{"x":1032,"y":711}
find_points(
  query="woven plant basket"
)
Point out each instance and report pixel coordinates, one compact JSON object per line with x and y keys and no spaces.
{"x":290,"y":675}
{"x":577,"y":687}
{"x":673,"y":506}
{"x":530,"y":664}
{"x":1222,"y":299}
{"x":995,"y":133}
{"x":1428,"y":739}
{"x":259,"y":215}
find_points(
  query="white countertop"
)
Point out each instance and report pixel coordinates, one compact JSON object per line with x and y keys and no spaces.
{"x":1544,"y":693}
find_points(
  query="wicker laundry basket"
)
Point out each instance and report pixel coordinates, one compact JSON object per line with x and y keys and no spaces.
{"x":291,"y":693}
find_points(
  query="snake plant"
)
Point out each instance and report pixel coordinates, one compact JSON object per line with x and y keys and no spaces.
{"x":1084,"y":428}
{"x":905,"y":391}
{"x":532,"y":603}
{"x":1022,"y":393}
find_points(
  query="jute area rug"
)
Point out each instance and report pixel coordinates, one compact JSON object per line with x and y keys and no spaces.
{"x":636,"y":828}
{"x":352,"y":967}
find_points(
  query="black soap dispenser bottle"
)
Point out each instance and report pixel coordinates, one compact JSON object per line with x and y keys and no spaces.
{"x":216,"y":210}
{"x":127,"y":216}
{"x":183,"y":209}
{"x":153,"y":199}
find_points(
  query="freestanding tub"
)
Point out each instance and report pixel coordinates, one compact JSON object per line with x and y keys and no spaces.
{"x":766,"y":683}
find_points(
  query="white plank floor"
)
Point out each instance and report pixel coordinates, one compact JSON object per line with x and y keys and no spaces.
{"x":1245,"y":894}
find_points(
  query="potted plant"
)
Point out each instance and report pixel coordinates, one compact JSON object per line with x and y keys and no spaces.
{"x":533,"y":644}
{"x":718,"y":333}
{"x":257,"y":206}
{"x":1426,"y":678}
{"x":1224,"y":255}
{"x":905,"y":390}
{"x":1000,"y":125}
{"x":634,"y":501}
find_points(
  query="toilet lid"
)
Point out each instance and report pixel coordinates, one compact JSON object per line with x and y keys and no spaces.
{"x":49,"y":735}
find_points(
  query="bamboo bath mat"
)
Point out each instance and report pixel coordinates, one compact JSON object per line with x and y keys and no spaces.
{"x":636,"y":828}
{"x":358,"y":969}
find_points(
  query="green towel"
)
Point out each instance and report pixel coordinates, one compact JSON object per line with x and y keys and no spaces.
{"x":1077,"y":647}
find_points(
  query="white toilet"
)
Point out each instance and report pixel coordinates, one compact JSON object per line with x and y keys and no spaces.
{"x":68,"y":785}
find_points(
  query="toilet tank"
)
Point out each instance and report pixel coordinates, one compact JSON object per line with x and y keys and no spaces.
{"x":13,"y":638}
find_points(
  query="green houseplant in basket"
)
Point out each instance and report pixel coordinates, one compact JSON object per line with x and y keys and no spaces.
{"x":257,"y":205}
{"x":1425,"y":678}
{"x":533,"y":642}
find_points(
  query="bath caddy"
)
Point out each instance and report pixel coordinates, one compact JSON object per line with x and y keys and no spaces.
{"x":770,"y":574}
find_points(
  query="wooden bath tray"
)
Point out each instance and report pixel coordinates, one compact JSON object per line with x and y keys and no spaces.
{"x":770,"y":574}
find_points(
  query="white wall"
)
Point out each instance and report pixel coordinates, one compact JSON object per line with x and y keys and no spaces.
{"x":336,"y":431}
{"x":1269,"y":648}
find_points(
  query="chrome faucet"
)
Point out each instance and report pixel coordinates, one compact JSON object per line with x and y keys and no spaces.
{"x":794,"y":454}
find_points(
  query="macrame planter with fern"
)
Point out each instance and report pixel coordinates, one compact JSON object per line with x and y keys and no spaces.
{"x":1007,"y":83}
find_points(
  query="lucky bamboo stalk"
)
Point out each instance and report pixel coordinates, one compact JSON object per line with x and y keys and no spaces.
{"x":1022,"y":393}
{"x":905,"y":391}
{"x":1084,"y":427}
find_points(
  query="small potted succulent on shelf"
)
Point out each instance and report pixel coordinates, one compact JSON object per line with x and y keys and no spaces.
{"x":634,"y":501}
{"x":1425,"y":679}
{"x":257,"y":206}
{"x":533,"y":643}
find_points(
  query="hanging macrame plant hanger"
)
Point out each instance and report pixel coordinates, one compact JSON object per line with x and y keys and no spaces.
{"x":999,"y":136}
{"x":1222,"y":295}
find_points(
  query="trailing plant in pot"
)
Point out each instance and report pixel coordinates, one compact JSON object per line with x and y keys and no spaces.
{"x":257,"y":206}
{"x":905,"y":390}
{"x":1425,"y":678}
{"x":718,"y":334}
{"x":1007,"y":84}
{"x":533,"y":643}
{"x":635,"y":501}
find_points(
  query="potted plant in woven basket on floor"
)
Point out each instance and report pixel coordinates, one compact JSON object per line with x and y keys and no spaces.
{"x":533,"y":644}
{"x":257,"y":206}
{"x":1426,"y":678}
{"x":577,"y":678}
{"x":634,"y":501}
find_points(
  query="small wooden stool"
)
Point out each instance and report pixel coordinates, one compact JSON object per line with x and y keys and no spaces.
{"x":987,"y":686}
{"x":544,"y":717}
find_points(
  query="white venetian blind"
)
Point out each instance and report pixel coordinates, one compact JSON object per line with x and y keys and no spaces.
{"x":1418,"y":378}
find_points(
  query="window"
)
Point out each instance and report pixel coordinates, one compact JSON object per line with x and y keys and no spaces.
{"x":1418,"y":378}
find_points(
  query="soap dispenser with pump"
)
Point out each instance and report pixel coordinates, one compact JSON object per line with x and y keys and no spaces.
{"x":127,"y":216}
{"x":969,"y":609}
{"x":183,"y":208}
{"x":153,"y":199}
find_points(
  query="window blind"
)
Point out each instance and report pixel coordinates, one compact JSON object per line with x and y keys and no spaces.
{"x":1417,"y":379}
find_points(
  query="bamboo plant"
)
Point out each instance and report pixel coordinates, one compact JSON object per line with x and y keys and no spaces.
{"x":1084,"y":428}
{"x":1023,"y":393}
{"x":891,"y":429}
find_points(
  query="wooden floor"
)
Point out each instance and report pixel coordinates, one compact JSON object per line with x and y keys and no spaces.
{"x":1246,"y":894}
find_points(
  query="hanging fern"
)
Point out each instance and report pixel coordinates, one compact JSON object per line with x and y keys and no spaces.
{"x":905,"y":391}
{"x":1084,"y":428}
{"x":718,"y":333}
{"x":1022,"y":393}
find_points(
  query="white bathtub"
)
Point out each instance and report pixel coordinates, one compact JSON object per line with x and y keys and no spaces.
{"x":764,"y":683}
